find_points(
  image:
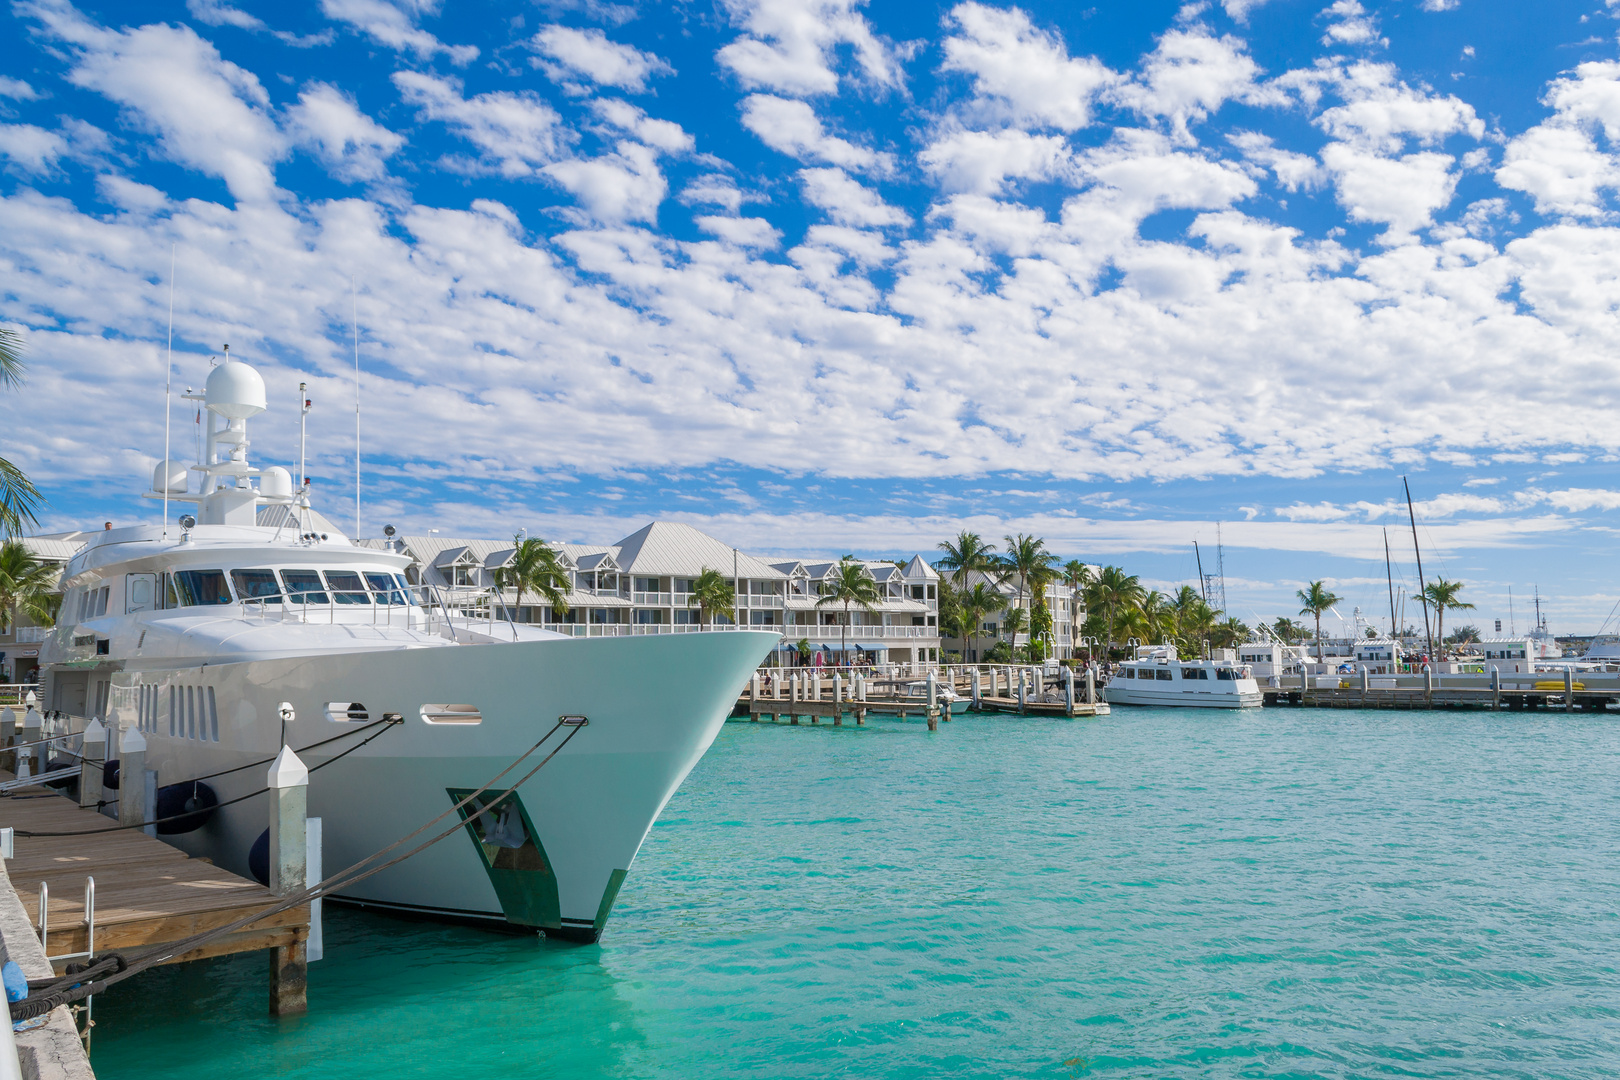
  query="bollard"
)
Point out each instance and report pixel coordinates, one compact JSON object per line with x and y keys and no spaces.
{"x":1023,"y":691}
{"x":131,"y":776}
{"x":1569,"y":689}
{"x":1428,"y":686}
{"x":95,"y":755}
{"x":838,"y":700}
{"x":977,"y":699}
{"x":1068,"y":691}
{"x":1091,"y":684}
{"x":753,"y":689}
{"x":32,"y":730}
{"x":8,"y":735}
{"x":1496,"y":687}
{"x":288,"y":781}
{"x":1366,"y":684}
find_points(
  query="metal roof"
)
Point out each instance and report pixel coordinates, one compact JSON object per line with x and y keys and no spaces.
{"x":671,"y":548}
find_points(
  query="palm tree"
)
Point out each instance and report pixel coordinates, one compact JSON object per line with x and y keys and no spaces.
{"x":534,"y":568}
{"x":1442,"y":595}
{"x":851,"y":585}
{"x":1288,"y":631}
{"x":968,"y":553}
{"x":19,"y":499}
{"x":1111,"y":593}
{"x":26,"y":585}
{"x":713,"y":594}
{"x":1316,"y":599}
{"x":1012,"y":624}
{"x":1195,"y":620}
{"x":973,"y":605}
{"x":1040,"y":615}
{"x":1026,"y":555}
{"x":1229,"y":634}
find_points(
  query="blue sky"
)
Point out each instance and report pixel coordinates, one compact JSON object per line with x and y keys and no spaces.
{"x":823,"y":277}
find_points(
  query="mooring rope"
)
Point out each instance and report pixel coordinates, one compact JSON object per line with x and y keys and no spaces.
{"x":71,"y":986}
{"x":228,"y":802}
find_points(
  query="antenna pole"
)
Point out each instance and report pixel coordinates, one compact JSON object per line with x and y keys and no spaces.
{"x":168,"y":379}
{"x":1513,"y":630}
{"x":1220,"y":563}
{"x":1412,"y":517}
{"x":354,"y":298}
{"x":1389,"y":576}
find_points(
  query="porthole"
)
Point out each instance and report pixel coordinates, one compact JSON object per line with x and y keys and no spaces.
{"x":346,"y":712}
{"x":452,"y":714}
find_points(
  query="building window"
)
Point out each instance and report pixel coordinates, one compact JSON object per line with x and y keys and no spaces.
{"x":463,"y":577}
{"x":918,"y":592}
{"x":930,"y":592}
{"x":762,"y":618}
{"x":685,"y":617}
{"x":649,"y":616}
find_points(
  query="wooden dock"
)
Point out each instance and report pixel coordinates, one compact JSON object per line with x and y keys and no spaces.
{"x":147,"y":893}
{"x":1439,"y":698}
{"x":1042,"y":708}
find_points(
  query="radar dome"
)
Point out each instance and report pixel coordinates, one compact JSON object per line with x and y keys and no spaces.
{"x":234,"y":391}
{"x":169,"y":478}
{"x":275,"y":483}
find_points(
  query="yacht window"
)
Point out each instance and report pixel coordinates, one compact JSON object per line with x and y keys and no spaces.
{"x":1225,"y":673}
{"x":174,"y":708}
{"x":1127,"y":673}
{"x":1194,"y":673}
{"x":1162,"y":674}
{"x":101,"y":601}
{"x":255,"y":584}
{"x":189,"y":726}
{"x":196,"y":588}
{"x":213,"y":718}
{"x":347,"y":587}
{"x":303,"y":586}
{"x":383,"y":585}
{"x":404,"y":585}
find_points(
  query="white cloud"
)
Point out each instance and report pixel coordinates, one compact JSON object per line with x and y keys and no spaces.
{"x":220,"y":13}
{"x":847,"y":201}
{"x":1188,"y":76}
{"x":589,"y":53}
{"x":394,"y":25}
{"x":1380,"y":112}
{"x":789,"y":46}
{"x":665,"y":135}
{"x":16,"y":88}
{"x":743,"y":232}
{"x":1021,"y":74}
{"x":516,"y":133}
{"x":623,"y":185}
{"x":1354,"y":25}
{"x":31,"y":150}
{"x":715,"y":189}
{"x":982,"y":161}
{"x":351,"y":145}
{"x":1402,"y":193}
{"x":793,"y":128}
{"x":1558,"y":162}
{"x":1293,"y":171}
{"x":207,"y":112}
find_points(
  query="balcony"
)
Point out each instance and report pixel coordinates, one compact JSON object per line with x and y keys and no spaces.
{"x":655,"y":599}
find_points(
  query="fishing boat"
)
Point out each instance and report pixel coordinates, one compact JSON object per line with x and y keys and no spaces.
{"x":1158,"y":677}
{"x":222,"y":639}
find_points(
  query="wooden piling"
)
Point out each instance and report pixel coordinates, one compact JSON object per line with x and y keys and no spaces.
{"x":90,"y":764}
{"x":289,"y":801}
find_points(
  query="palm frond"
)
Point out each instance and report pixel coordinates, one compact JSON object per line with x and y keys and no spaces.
{"x":20,"y":501}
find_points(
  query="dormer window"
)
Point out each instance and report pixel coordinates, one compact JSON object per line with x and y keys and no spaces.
{"x":464,"y":576}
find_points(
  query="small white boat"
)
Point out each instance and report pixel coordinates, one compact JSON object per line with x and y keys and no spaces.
{"x":913,"y":697}
{"x":1157,"y":677}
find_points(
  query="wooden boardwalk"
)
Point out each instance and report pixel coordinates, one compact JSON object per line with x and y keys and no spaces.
{"x":147,"y":893}
{"x":1439,"y":698}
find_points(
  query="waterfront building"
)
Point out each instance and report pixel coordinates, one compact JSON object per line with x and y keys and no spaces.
{"x":1066,"y":604}
{"x":19,"y":645}
{"x":644,"y":583}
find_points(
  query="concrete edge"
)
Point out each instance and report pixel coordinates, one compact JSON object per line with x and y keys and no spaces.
{"x":52,"y":1051}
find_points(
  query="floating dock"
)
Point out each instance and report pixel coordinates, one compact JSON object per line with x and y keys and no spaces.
{"x":145,"y":893}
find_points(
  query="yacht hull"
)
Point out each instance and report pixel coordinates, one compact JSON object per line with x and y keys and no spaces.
{"x":1183,"y":699}
{"x":653,"y":704}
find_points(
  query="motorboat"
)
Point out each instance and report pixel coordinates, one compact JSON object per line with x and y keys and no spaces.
{"x":1157,"y":677}
{"x":222,"y":639}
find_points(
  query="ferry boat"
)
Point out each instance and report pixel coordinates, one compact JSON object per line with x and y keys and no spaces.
{"x":1157,"y":677}
{"x":223,"y":639}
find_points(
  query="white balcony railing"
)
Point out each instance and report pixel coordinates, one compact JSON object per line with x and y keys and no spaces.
{"x":655,"y":599}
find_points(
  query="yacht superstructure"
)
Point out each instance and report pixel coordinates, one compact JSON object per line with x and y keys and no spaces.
{"x":221,"y":640}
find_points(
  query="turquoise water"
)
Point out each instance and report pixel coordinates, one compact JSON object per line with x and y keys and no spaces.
{"x":1271,"y":893}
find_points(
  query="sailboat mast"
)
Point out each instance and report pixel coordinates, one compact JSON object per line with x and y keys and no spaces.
{"x":1203,"y":585}
{"x":1389,"y":576}
{"x":1411,"y":516}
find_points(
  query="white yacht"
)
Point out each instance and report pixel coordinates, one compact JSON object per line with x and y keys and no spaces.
{"x":222,"y":639}
{"x":1157,"y":677}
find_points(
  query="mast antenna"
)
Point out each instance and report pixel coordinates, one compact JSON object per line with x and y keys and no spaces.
{"x":1220,"y":563}
{"x":168,"y":380}
{"x":1513,"y":630}
{"x":354,"y":299}
{"x":1412,"y":517}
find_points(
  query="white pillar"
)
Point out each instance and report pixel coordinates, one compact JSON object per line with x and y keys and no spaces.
{"x":1068,"y":690}
{"x":288,"y":781}
{"x":131,"y":776}
{"x":32,"y":730}
{"x":95,"y":755}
